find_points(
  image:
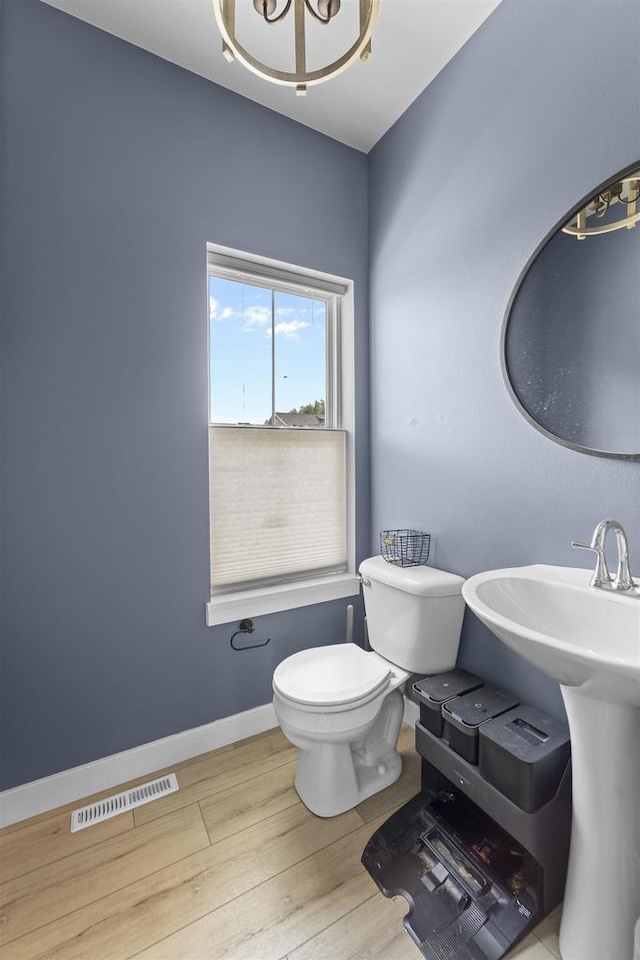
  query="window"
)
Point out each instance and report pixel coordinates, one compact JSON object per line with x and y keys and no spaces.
{"x":280,"y":437}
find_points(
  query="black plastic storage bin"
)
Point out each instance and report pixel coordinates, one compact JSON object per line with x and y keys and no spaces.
{"x":432,"y":692}
{"x":463,"y":716}
{"x":524,"y":754}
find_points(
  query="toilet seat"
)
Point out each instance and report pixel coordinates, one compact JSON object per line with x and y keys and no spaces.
{"x":339,"y":675}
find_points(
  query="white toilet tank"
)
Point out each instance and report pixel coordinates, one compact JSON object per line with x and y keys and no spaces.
{"x":414,"y":614}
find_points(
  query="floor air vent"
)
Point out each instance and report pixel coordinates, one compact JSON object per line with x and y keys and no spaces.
{"x":112,"y":806}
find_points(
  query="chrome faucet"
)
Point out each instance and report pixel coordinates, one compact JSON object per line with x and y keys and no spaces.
{"x":602,"y":579}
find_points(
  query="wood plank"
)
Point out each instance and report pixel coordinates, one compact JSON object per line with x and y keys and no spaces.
{"x":530,"y":949}
{"x":130,"y":920}
{"x":211,"y":776}
{"x":407,"y":738}
{"x":48,"y":840}
{"x":237,"y":808}
{"x":373,"y":930}
{"x":42,"y":896}
{"x":548,"y":931}
{"x":280,"y":914}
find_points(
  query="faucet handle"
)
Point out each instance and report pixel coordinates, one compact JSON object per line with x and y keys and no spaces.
{"x":601,"y":574}
{"x":583,"y":546}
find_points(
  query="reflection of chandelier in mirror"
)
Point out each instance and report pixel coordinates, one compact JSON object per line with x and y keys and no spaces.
{"x":321,"y":11}
{"x":619,"y":198}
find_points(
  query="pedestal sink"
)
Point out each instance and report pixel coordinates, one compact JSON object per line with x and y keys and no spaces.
{"x":588,"y":640}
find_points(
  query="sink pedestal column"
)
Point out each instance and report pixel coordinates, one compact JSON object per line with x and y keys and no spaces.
{"x":602,"y":898}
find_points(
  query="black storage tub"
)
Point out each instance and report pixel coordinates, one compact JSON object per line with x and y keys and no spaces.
{"x":464,"y":715}
{"x":432,"y":692}
{"x":524,"y":754}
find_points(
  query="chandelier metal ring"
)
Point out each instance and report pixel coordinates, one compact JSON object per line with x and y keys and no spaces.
{"x":300,"y":78}
{"x":626,"y":193}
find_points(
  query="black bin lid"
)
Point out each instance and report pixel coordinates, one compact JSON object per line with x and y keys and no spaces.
{"x":476,"y":707}
{"x":444,"y":686}
{"x":527,"y":733}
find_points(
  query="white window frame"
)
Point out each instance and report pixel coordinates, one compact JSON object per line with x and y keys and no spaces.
{"x":228,"y":606}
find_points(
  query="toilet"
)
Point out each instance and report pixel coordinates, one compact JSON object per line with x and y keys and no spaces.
{"x":343,"y":706}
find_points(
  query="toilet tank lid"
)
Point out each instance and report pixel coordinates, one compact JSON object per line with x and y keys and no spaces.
{"x":421,"y":581}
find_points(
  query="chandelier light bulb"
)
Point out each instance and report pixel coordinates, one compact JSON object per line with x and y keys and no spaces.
{"x":328,"y":8}
{"x":265,"y":7}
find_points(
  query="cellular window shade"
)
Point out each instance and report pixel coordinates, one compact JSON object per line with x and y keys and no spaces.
{"x":278,"y":503}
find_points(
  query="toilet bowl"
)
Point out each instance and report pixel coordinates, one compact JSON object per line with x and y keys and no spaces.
{"x":343,"y":706}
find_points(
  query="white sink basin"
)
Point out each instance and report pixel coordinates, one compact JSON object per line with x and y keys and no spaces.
{"x":581,"y":636}
{"x":588,"y":640}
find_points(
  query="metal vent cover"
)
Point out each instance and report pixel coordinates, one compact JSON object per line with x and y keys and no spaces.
{"x":119,"y":802}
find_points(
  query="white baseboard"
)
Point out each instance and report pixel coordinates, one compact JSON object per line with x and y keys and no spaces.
{"x":30,"y":799}
{"x":39,"y":796}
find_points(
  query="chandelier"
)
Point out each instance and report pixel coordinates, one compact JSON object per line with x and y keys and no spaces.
{"x":617,"y":206}
{"x":273,"y":12}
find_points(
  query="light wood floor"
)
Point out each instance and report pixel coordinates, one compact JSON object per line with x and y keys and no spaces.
{"x":230,"y":866}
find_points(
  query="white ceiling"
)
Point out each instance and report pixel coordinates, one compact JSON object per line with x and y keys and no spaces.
{"x":412,"y":42}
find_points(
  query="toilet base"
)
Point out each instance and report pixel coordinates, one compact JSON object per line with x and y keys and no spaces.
{"x":332,"y":778}
{"x":354,"y":782}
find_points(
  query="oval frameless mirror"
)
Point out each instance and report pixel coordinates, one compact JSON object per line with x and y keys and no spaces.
{"x":571,"y":334}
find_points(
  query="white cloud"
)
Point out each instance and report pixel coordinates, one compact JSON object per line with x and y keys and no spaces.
{"x":216,"y":314}
{"x":290,"y":329}
{"x":256,"y":317}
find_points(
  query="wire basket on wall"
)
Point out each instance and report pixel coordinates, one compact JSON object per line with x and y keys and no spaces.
{"x":406,"y":548}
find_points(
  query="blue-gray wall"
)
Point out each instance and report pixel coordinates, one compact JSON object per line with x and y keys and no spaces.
{"x":527,"y":119}
{"x":118,"y":168}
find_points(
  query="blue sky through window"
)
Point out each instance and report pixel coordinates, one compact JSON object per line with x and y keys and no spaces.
{"x":241,"y":336}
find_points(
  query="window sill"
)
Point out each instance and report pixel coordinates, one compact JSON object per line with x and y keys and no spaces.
{"x":225,"y":608}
